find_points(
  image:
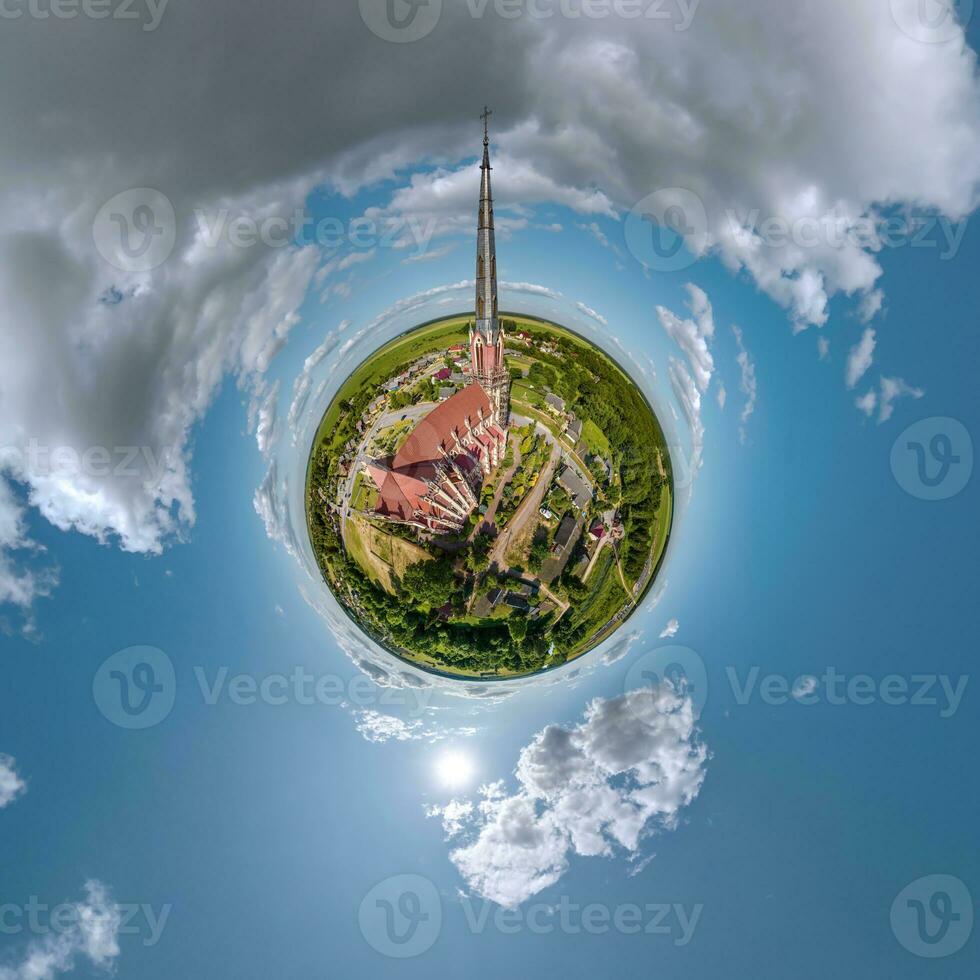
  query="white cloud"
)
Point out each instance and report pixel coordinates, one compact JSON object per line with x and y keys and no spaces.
{"x":870,"y":305}
{"x":891,"y":390}
{"x":589,"y":312}
{"x":693,"y":335}
{"x":454,"y":815}
{"x":673,"y":625}
{"x":747,"y":385}
{"x":11,"y":785}
{"x":859,"y":357}
{"x":593,"y":789}
{"x":689,"y":398}
{"x":804,"y":686}
{"x":376,"y":726}
{"x":823,"y":347}
{"x":867,"y":402}
{"x":92,"y":934}
{"x":722,"y":396}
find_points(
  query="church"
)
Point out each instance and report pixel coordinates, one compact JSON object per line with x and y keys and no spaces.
{"x":434,"y":479}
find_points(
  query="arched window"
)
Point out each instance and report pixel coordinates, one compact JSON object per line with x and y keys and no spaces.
{"x":479,"y":267}
{"x":479,"y":308}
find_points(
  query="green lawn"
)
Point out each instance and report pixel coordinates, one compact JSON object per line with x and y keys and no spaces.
{"x":594,"y":438}
{"x":521,"y":391}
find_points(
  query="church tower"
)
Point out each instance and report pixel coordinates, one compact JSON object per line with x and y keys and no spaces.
{"x":487,"y":338}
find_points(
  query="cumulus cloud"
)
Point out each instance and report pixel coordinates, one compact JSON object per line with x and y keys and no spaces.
{"x":673,"y":625}
{"x":11,"y":785}
{"x":455,"y":815}
{"x":747,"y":384}
{"x":592,"y":789}
{"x":859,"y":357}
{"x":722,"y":395}
{"x":92,"y":936}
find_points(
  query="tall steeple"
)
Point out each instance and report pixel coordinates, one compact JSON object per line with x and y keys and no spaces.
{"x":486,"y":252}
{"x":487,"y":339}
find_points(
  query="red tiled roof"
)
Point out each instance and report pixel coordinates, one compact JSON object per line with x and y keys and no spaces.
{"x":435,"y":430}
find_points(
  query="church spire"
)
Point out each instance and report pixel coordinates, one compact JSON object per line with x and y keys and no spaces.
{"x":486,"y":253}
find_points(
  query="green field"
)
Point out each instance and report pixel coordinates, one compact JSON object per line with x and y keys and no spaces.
{"x":592,"y":436}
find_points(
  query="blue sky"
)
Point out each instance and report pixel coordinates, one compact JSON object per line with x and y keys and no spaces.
{"x":253,"y":834}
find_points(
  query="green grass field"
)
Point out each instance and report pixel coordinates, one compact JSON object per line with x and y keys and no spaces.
{"x":592,"y":436}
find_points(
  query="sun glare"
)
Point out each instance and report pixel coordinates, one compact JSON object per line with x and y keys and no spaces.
{"x":454,"y":769}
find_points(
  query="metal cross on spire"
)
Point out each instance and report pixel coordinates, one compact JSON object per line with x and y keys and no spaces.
{"x":485,"y":116}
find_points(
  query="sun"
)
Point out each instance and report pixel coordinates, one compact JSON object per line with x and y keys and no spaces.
{"x":454,"y":769}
